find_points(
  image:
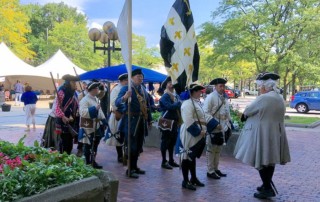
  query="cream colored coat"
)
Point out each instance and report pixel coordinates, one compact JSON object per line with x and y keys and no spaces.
{"x":189,"y":117}
{"x":112,"y":122}
{"x":86,"y":102}
{"x":263,"y":140}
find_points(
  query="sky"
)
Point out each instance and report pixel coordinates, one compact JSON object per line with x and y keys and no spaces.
{"x":148,"y":15}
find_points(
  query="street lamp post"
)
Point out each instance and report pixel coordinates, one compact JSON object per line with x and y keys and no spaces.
{"x":107,"y":37}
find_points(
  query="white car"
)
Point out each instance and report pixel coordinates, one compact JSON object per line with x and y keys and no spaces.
{"x":250,"y":92}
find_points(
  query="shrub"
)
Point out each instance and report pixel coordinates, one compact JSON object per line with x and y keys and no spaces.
{"x":25,"y":171}
{"x":236,"y":117}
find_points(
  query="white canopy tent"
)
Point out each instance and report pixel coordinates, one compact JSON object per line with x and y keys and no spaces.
{"x":59,"y":65}
{"x":13,"y":68}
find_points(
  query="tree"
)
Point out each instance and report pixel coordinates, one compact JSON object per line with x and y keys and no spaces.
{"x":270,"y":33}
{"x":43,"y":20}
{"x":142,"y":55}
{"x":14,"y":27}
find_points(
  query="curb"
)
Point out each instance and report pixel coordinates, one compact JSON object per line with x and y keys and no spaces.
{"x":312,"y":125}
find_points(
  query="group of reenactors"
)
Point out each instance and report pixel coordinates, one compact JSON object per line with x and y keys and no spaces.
{"x":188,"y":126}
{"x":80,"y":119}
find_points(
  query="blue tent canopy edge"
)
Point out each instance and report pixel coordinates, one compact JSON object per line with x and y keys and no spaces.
{"x":111,"y":74}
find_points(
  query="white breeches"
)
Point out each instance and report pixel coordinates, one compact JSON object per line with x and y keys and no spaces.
{"x":30,"y":110}
{"x":213,"y":156}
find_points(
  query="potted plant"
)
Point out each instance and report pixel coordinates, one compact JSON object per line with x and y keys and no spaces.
{"x":6,"y":107}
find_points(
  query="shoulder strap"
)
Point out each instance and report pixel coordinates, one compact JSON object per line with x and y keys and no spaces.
{"x":217,"y":110}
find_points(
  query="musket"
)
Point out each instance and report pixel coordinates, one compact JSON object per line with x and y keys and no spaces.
{"x":75,"y":71}
{"x":71,"y":130}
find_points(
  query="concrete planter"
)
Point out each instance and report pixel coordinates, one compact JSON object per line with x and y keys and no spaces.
{"x":101,"y":188}
{"x":154,"y":140}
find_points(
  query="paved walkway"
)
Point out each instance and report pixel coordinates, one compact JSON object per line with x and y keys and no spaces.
{"x":297,"y":181}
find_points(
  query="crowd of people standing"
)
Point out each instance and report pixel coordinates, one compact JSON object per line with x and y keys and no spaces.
{"x":194,"y":126}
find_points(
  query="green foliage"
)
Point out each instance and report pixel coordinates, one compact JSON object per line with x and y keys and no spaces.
{"x":13,"y":28}
{"x":236,"y":116}
{"x":40,"y":170}
{"x":278,"y":35}
{"x":302,"y":120}
{"x":156,"y":115}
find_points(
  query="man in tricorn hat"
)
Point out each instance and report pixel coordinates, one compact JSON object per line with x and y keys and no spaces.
{"x":91,"y":119}
{"x":264,"y":144}
{"x":170,"y":104}
{"x":217,"y":105}
{"x":140,"y":119}
{"x":191,"y":139}
{"x":116,"y":138}
{"x":66,"y":112}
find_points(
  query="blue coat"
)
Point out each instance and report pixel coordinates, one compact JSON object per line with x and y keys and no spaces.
{"x":135,"y":110}
{"x":167,"y":104}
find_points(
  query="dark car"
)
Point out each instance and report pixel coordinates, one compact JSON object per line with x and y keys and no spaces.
{"x":305,"y":101}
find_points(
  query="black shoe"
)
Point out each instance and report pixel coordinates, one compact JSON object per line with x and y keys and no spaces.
{"x":79,"y":153}
{"x":188,"y":185}
{"x":213,"y":176}
{"x":220,"y":173}
{"x":120,"y":160}
{"x":264,"y":193}
{"x":196,"y":182}
{"x":173,"y":164}
{"x":166,"y":166}
{"x":132,"y":174}
{"x":260,"y":188}
{"x":139,"y":171}
{"x":96,"y":166}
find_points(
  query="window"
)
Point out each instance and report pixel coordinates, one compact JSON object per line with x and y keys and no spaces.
{"x":314,"y":94}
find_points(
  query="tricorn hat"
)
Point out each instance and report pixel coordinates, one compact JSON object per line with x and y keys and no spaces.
{"x":218,"y":81}
{"x":136,"y":72}
{"x":267,"y":75}
{"x":122,"y":77}
{"x":69,"y":77}
{"x":94,"y":84}
{"x":165,"y":82}
{"x":195,"y":87}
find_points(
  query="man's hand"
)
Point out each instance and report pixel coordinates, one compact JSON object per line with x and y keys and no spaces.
{"x":127,"y":95}
{"x":203,"y":133}
{"x":65,"y":119}
{"x":149,"y":125}
{"x":219,"y":127}
{"x":98,"y":107}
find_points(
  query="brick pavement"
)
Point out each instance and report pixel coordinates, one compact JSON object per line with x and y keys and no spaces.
{"x":297,"y":181}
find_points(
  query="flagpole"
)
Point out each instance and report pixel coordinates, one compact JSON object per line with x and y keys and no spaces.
{"x":129,"y":33}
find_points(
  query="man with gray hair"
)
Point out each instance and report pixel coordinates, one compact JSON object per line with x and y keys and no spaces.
{"x":263,"y":142}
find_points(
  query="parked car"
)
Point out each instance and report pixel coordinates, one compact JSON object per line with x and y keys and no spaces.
{"x":305,"y":101}
{"x":231,"y":92}
{"x":250,"y":92}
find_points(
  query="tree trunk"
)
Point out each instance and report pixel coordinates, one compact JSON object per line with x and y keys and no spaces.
{"x":293,"y":85}
{"x":285,"y":87}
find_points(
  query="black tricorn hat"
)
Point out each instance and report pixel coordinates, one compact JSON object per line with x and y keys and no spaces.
{"x":165,"y":82}
{"x":218,"y":81}
{"x":123,"y":76}
{"x":195,"y":87}
{"x":136,"y":72}
{"x":267,"y":75}
{"x":69,"y":77}
{"x":94,"y":84}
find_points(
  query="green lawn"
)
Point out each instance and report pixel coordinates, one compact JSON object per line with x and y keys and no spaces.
{"x":302,"y":120}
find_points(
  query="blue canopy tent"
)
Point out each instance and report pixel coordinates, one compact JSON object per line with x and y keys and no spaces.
{"x":111,"y":74}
